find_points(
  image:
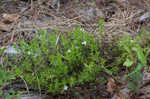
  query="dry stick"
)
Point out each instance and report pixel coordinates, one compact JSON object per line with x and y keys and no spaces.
{"x":54,"y":24}
{"x":115,"y":19}
{"x":31,"y":4}
{"x":64,"y":17}
{"x":70,"y":20}
{"x":127,"y":17}
{"x":58,"y":38}
{"x":123,"y":32}
{"x":138,"y":30}
{"x":14,"y":29}
{"x":44,"y":27}
{"x":131,"y":31}
{"x":13,"y":33}
{"x":25,"y":84}
{"x":38,"y":83}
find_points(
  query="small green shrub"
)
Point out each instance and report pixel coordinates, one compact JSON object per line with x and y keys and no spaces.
{"x":6,"y":76}
{"x":12,"y":95}
{"x":56,"y":61}
{"x":134,"y":55}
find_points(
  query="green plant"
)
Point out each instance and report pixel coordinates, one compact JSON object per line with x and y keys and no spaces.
{"x":135,"y":58}
{"x":56,"y":61}
{"x":12,"y":95}
{"x":6,"y":77}
{"x":100,"y":36}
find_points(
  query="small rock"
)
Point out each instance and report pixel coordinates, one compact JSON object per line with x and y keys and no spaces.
{"x":31,"y":97}
{"x":125,"y":91}
{"x":144,"y":17}
{"x":11,"y":50}
{"x":146,"y":77}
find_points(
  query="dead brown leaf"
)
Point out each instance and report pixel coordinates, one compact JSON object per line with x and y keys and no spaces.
{"x":111,"y":85}
{"x":4,"y":27}
{"x":9,"y":18}
{"x":116,"y":89}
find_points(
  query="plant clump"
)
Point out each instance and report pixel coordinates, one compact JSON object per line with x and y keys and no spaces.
{"x":58,"y":61}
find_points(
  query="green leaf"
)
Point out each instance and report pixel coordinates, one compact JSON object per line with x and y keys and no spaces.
{"x":107,"y":70}
{"x":1,"y":92}
{"x":115,"y":68}
{"x":127,"y":49}
{"x":18,"y":97}
{"x":11,"y":77}
{"x":140,"y":55}
{"x":101,"y":21}
{"x":72,"y":81}
{"x":1,"y":82}
{"x":132,"y":86}
{"x":8,"y":96}
{"x":139,"y":67}
{"x":128,"y":63}
{"x":18,"y":71}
